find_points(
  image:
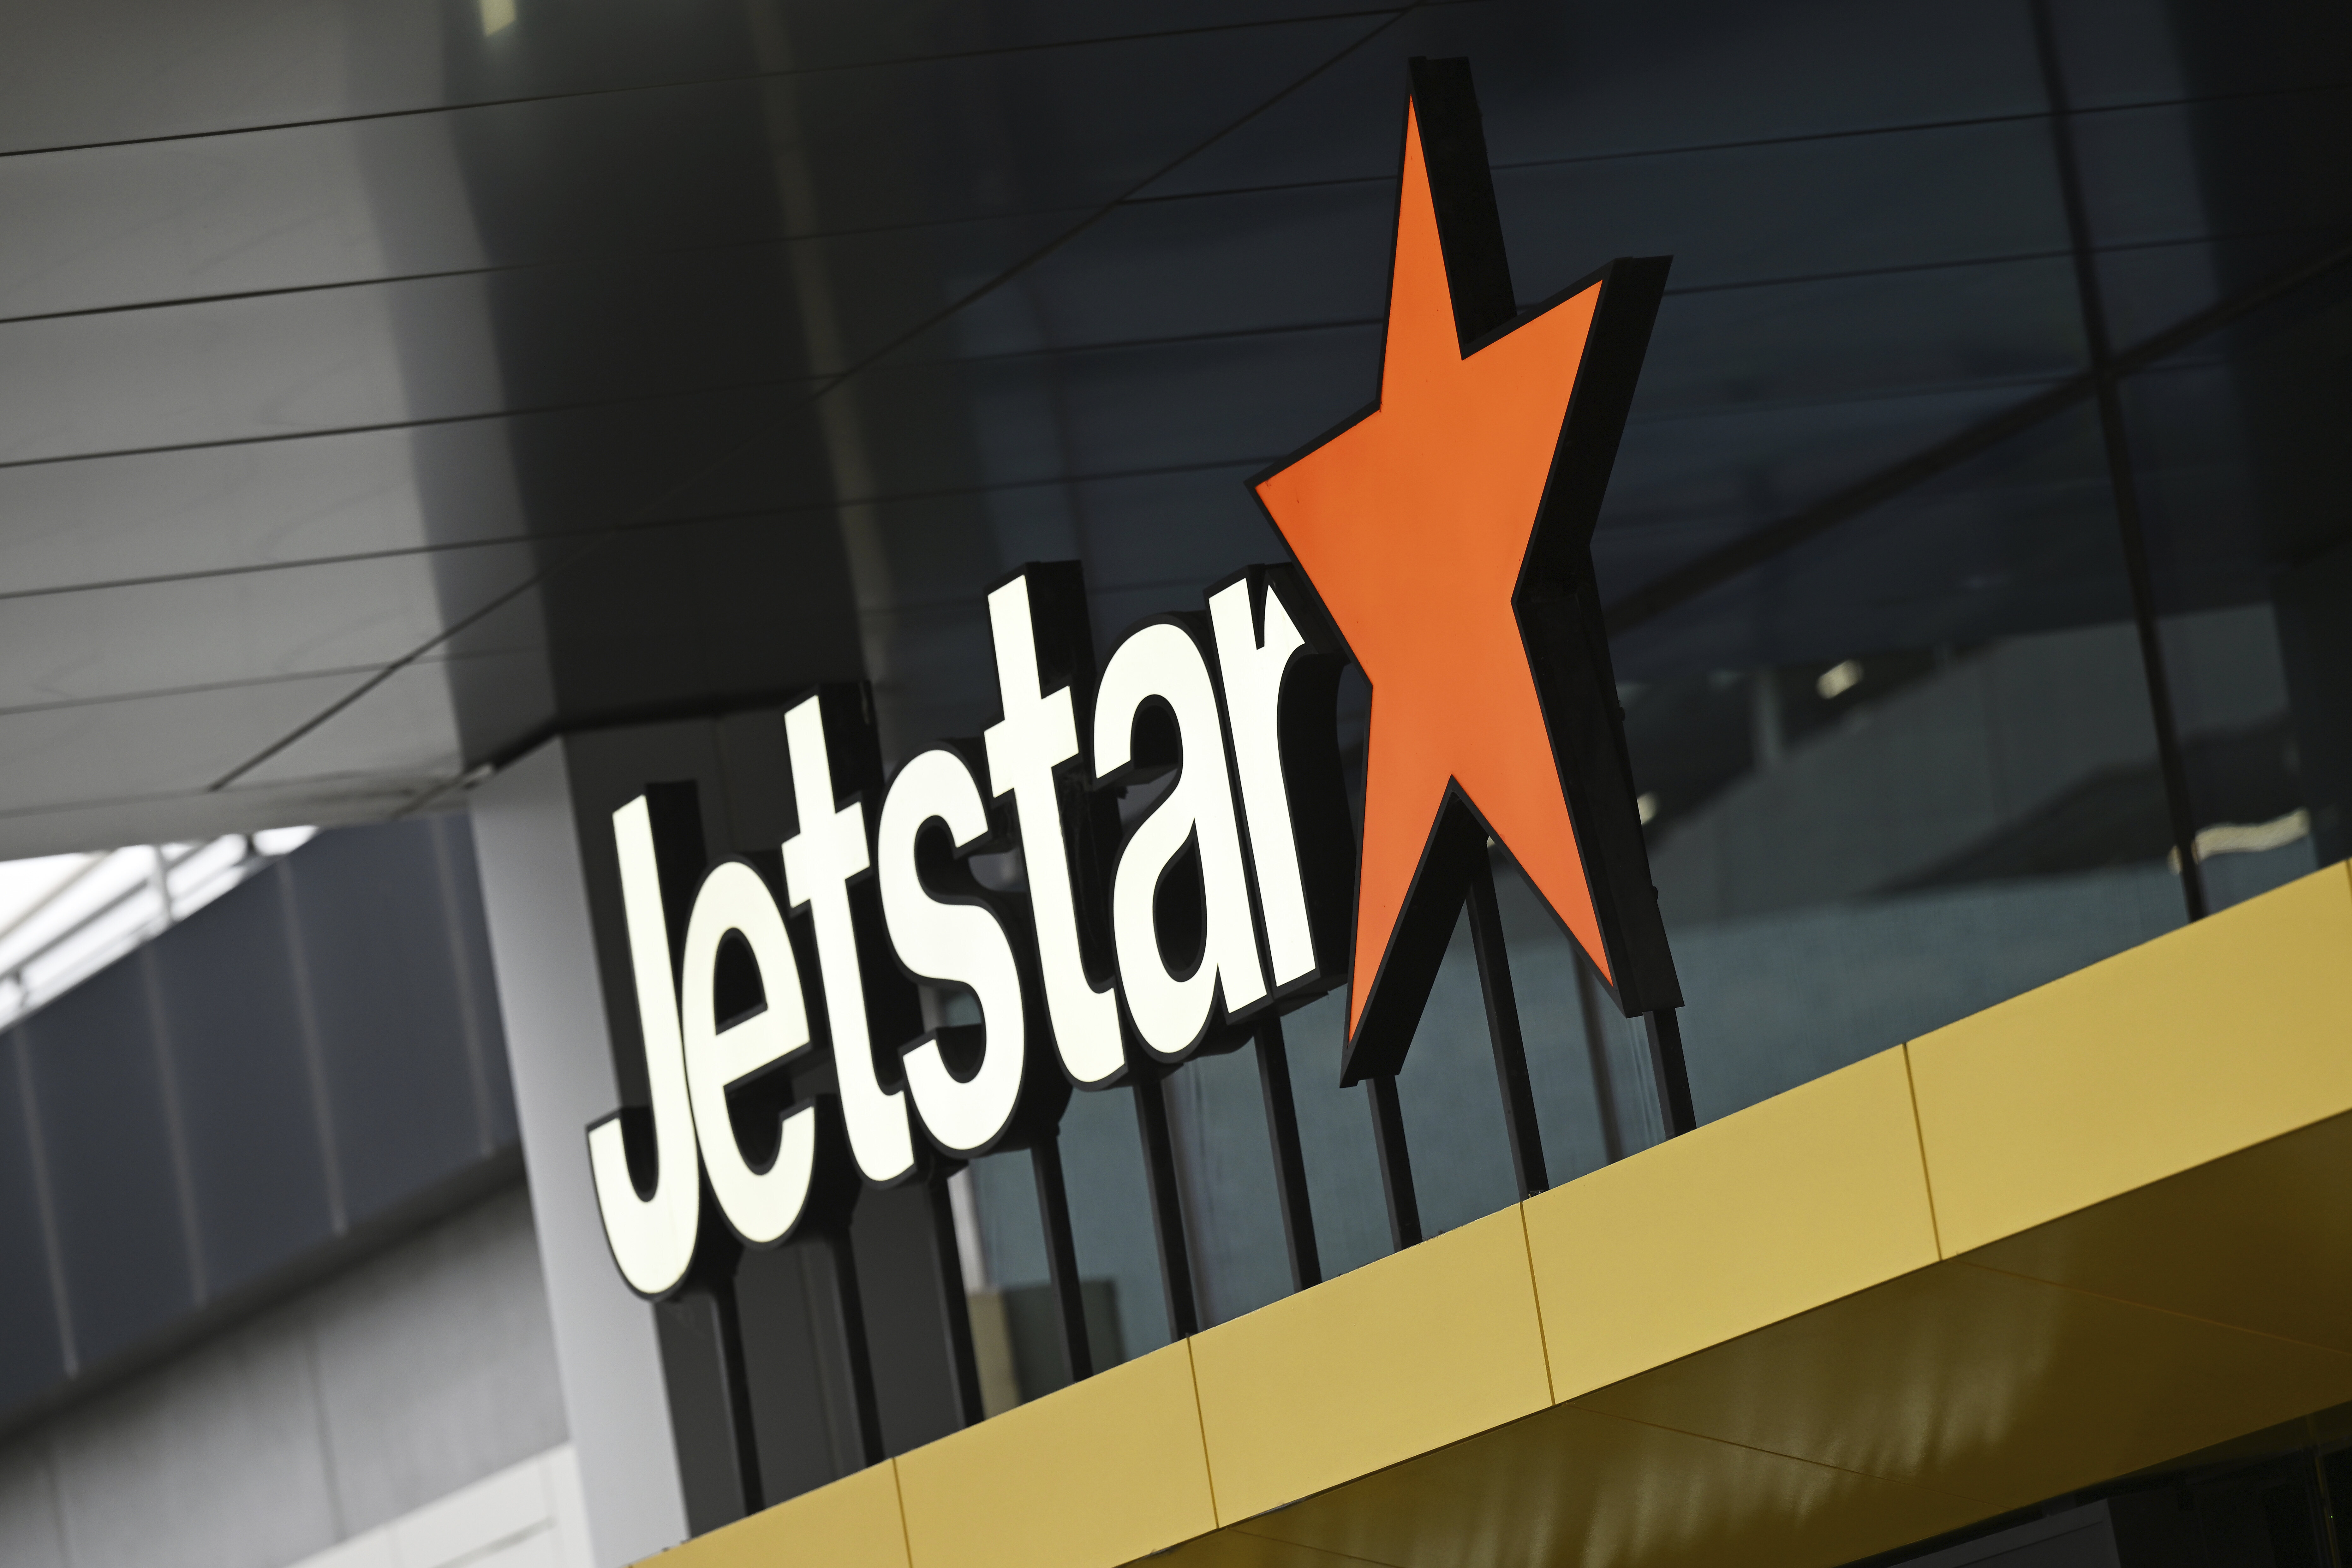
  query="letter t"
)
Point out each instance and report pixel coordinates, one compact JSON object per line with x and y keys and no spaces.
{"x":1038,"y":733}
{"x":819,"y":861}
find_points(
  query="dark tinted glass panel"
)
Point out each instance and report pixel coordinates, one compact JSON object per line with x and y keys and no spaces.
{"x":101,"y":1099}
{"x":1335,"y":1132}
{"x":1013,"y":1236}
{"x":2243,"y":471}
{"x":1216,"y":1111}
{"x":1903,"y":772}
{"x":694,"y":1363}
{"x":2207,"y":135}
{"x":1588,"y":1074}
{"x":906,"y":1296}
{"x":1452,"y":1100}
{"x":31,"y":1356}
{"x":802,"y":1403}
{"x":1111,"y":1213}
{"x":245,"y":1100}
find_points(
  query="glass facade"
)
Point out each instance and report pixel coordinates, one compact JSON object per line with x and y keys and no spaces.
{"x":1974,"y":608}
{"x":1978,"y":558}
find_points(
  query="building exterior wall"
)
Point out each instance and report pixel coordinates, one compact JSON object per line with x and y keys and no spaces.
{"x":400,"y":394}
{"x":302,"y":1070}
{"x":427,"y":1368}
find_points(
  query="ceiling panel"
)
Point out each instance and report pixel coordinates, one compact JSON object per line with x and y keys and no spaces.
{"x":243,"y":370}
{"x":101,"y":643}
{"x":95,"y":752}
{"x":79,"y":73}
{"x":403,"y":726}
{"x":91,"y":228}
{"x":133,"y":516}
{"x":609,"y":377}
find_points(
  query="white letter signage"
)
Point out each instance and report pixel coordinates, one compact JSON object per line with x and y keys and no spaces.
{"x":1252,"y":818}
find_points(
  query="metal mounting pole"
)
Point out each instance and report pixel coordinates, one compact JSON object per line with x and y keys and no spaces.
{"x":1289,"y":1156}
{"x":1396,"y":1162}
{"x":1062,"y":1259}
{"x":1503,"y":1030}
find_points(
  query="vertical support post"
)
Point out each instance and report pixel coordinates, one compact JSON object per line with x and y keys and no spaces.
{"x":1396,"y":1162}
{"x":1289,"y":1157}
{"x":1062,"y":1259}
{"x":551,"y":1004}
{"x":1664,"y":1033}
{"x":855,"y":1354}
{"x":1503,"y":1030}
{"x":1167,"y":1205}
{"x":1596,"y":1052}
{"x":728,"y":1321}
{"x":2122,"y":479}
{"x":947,"y":1260}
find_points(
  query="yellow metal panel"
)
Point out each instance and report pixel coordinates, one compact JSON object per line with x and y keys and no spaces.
{"x":1810,"y":1195}
{"x":1238,"y":1549}
{"x":2261,"y":1240}
{"x":1418,"y":1350}
{"x":1103,"y":1471}
{"x":1985,"y":1384}
{"x":2192,"y":1046}
{"x":853,"y":1523}
{"x":1574,"y":1489}
{"x":2147,"y":1169}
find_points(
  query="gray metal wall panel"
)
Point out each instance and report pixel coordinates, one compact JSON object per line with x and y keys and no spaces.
{"x":476,"y":995}
{"x":372,"y":1394}
{"x":406,"y":1097}
{"x":31,"y":1355}
{"x":330,"y":1053}
{"x":231,"y":1006}
{"x":106,"y":1134}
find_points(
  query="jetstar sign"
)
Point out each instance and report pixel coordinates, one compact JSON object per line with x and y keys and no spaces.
{"x":1442,"y":543}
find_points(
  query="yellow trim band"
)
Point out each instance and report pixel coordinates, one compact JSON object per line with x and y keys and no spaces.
{"x":2099,"y":1225}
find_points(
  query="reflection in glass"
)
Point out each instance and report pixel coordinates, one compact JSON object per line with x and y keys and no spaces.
{"x":1902,"y":772}
{"x":2243,"y":472}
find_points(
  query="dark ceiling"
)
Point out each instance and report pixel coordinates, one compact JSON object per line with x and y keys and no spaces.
{"x":384,"y":384}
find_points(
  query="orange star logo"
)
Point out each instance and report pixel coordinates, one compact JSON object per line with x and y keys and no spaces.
{"x":1447,"y":531}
